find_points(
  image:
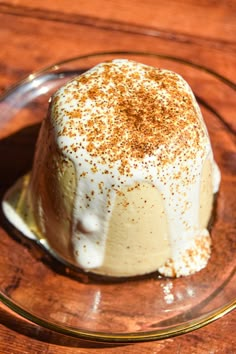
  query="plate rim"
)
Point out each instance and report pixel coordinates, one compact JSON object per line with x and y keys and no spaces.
{"x":117,"y":337}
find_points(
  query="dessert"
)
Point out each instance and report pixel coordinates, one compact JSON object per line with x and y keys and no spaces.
{"x":123,"y":177}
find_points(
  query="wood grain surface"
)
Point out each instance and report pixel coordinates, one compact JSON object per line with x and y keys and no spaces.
{"x":38,"y":33}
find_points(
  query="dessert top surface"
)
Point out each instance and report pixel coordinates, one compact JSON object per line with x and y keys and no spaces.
{"x":125,"y":110}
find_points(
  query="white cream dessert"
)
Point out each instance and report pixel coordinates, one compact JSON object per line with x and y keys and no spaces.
{"x":124,"y":175}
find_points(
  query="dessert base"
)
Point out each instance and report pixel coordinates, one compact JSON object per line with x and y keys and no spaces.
{"x":20,"y":216}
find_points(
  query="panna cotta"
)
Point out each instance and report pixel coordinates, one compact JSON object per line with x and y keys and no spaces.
{"x":124,"y":177}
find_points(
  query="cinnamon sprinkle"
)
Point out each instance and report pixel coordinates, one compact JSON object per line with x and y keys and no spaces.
{"x":129,"y":111}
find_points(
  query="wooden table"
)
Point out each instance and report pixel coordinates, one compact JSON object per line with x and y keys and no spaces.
{"x":37,"y":33}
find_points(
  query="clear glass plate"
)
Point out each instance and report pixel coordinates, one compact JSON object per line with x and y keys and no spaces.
{"x":38,"y":287}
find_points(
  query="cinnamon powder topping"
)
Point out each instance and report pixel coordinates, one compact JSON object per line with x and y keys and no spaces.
{"x":125,"y":110}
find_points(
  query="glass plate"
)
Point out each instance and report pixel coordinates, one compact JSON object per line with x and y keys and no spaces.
{"x":38,"y":287}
